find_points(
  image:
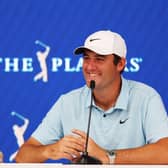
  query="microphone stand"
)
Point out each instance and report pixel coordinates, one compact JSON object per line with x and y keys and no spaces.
{"x":85,"y":158}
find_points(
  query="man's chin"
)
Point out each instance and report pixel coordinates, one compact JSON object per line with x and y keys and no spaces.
{"x":88,"y":84}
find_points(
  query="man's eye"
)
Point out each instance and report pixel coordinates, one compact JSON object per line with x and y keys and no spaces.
{"x":100,"y":59}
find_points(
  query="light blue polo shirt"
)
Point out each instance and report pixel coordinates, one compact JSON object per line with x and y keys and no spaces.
{"x":138,"y":118}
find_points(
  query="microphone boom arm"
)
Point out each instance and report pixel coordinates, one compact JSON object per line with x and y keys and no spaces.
{"x":86,"y":159}
{"x":89,"y":120}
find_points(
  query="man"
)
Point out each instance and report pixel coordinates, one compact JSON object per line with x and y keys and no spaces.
{"x":129,"y":123}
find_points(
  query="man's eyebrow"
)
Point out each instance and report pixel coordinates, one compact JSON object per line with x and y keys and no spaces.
{"x":98,"y":55}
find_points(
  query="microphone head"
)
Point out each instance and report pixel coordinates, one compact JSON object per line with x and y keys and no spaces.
{"x":92,"y":84}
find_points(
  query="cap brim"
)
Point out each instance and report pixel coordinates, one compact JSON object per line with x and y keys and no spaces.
{"x":80,"y":50}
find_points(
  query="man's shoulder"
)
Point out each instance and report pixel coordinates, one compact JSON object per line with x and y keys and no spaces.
{"x":77,"y":92}
{"x":140,"y":87}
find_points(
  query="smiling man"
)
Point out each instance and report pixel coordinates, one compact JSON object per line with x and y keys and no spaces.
{"x":129,"y":123}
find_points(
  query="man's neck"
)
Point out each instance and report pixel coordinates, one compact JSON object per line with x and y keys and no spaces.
{"x":107,"y":98}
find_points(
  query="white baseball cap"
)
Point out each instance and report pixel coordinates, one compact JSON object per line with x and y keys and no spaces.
{"x":104,"y":42}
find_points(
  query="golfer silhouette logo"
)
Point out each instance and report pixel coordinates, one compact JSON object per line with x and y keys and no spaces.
{"x":19,"y":132}
{"x":42,"y":56}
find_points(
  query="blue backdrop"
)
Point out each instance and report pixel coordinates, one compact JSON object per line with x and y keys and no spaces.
{"x":30,"y":26}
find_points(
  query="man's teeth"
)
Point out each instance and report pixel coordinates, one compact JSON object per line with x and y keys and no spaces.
{"x":92,"y":75}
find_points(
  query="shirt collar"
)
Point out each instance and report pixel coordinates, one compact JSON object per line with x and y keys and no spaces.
{"x":88,"y":97}
{"x":122,"y":100}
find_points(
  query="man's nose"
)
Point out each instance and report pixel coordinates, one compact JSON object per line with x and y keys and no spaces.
{"x":91,"y":64}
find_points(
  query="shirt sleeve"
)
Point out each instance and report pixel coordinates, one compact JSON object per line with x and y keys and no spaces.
{"x":156,"y":120}
{"x":50,"y":129}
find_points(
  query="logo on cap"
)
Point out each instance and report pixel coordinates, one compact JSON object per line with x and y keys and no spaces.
{"x":94,"y":39}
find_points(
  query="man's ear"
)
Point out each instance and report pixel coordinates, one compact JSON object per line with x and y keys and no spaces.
{"x":121,"y":64}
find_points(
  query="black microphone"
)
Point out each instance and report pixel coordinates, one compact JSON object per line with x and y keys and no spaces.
{"x":85,"y":158}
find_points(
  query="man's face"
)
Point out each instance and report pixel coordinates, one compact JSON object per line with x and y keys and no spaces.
{"x":101,"y":69}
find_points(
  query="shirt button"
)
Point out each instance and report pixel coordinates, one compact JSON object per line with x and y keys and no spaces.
{"x":104,"y":115}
